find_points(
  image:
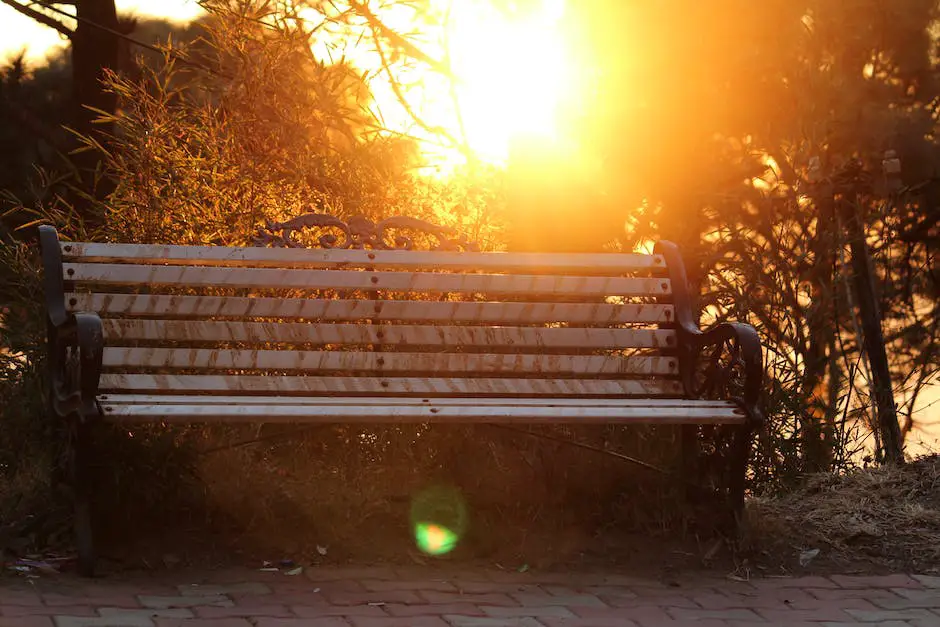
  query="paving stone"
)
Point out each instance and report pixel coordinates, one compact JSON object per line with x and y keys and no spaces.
{"x":311,"y":597}
{"x":876,"y":581}
{"x":476,"y":621}
{"x":364,"y":598}
{"x":675,"y":600}
{"x":317,"y":611}
{"x":794,"y":582}
{"x":207,"y":590}
{"x":653,"y":591}
{"x":554,"y":611}
{"x":299,"y":585}
{"x":160,"y":602}
{"x":412,"y":621}
{"x":705,"y":622}
{"x":431,"y":598}
{"x":465,"y":609}
{"x":204,"y":622}
{"x":588,"y":622}
{"x":230,"y":576}
{"x":927,"y":601}
{"x":19,"y":597}
{"x":27,"y":621}
{"x":609,"y":591}
{"x":832,"y":594}
{"x":121,"y":612}
{"x":833,"y":604}
{"x":331,"y":621}
{"x":103,"y":621}
{"x":886,"y":615}
{"x":642,"y":615}
{"x":786,"y":594}
{"x":763,"y":623}
{"x":575,"y":600}
{"x":204,"y":611}
{"x":9,"y":611}
{"x":785,"y":617}
{"x":928,"y":581}
{"x":381,"y":585}
{"x":480,"y":599}
{"x":725,"y":601}
{"x":489,"y":587}
{"x":681,"y":613}
{"x":102,"y":598}
{"x":925,"y":594}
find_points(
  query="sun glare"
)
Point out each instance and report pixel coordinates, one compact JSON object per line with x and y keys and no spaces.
{"x":510,"y":75}
{"x":510,"y":72}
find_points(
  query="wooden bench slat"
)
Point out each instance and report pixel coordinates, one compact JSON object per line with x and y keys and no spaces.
{"x":432,"y":282}
{"x":536,"y":263}
{"x":558,"y":402}
{"x":336,"y":309}
{"x":390,"y":335}
{"x":422,"y":413}
{"x":389,"y":385}
{"x":388,"y":362}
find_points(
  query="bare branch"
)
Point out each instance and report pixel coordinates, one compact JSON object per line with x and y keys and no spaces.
{"x":40,"y":17}
{"x":396,"y":88}
{"x":379,"y":27}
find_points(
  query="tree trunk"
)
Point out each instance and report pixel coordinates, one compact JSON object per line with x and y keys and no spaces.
{"x":94,"y":50}
{"x":872,"y":335}
{"x":817,"y":423}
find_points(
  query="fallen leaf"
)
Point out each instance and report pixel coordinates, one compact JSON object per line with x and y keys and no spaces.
{"x":808,"y":556}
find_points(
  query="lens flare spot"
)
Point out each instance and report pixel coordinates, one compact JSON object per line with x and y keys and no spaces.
{"x":434,"y":539}
{"x":439,"y":519}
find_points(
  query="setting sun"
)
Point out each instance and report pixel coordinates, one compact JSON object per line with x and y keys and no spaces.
{"x":512,"y":85}
{"x":509,"y":73}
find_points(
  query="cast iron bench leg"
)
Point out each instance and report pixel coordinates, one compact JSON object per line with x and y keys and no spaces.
{"x":81,"y":480}
{"x":740,"y":450}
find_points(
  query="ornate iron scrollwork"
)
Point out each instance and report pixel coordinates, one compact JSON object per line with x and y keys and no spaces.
{"x":397,"y":233}
{"x":721,"y":375}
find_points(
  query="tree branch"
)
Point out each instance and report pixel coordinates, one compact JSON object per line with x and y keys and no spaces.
{"x":396,"y":89}
{"x":379,"y":27}
{"x":40,"y":17}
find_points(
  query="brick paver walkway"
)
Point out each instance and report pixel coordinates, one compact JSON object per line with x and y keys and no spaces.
{"x":386,"y":597}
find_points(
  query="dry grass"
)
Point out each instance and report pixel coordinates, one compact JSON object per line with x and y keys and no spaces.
{"x":351,"y":490}
{"x":890,"y":516}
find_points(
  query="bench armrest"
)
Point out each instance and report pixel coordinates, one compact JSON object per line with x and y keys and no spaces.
{"x":75,"y":341}
{"x":734,"y":367}
{"x":742,"y":370}
{"x":75,"y":353}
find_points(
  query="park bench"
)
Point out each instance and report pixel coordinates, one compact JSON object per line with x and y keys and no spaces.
{"x":329,"y":321}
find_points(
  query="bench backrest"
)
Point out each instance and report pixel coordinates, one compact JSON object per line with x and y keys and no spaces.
{"x":337,"y":322}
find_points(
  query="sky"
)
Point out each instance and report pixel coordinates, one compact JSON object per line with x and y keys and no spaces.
{"x":19,"y":33}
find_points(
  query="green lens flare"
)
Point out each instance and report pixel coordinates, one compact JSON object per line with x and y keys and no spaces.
{"x":435,"y":539}
{"x":439,"y":519}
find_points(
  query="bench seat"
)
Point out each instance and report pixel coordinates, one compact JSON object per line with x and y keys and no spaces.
{"x":187,"y":409}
